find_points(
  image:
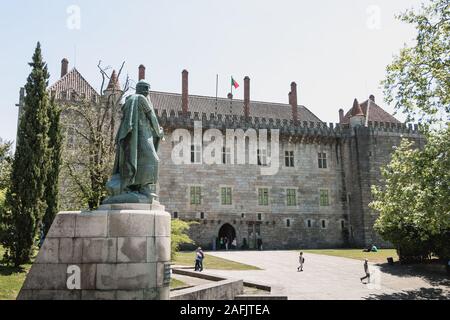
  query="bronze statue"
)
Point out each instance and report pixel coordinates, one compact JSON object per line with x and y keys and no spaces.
{"x":135,"y":172}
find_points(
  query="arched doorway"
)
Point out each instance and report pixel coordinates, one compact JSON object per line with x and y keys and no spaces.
{"x":226,"y":236}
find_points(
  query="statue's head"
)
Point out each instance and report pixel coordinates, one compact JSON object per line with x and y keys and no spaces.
{"x":143,"y":87}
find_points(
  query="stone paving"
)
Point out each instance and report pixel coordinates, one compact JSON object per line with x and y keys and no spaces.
{"x":327,"y":277}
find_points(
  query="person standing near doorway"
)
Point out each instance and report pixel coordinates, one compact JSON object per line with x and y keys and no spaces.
{"x":226,"y":243}
{"x":301,"y":261}
{"x":234,"y":244}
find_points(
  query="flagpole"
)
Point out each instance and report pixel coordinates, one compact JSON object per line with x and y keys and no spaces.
{"x":217,"y":86}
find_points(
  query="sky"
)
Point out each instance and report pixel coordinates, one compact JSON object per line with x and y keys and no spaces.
{"x":335,"y":50}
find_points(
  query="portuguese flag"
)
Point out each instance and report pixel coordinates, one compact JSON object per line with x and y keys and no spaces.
{"x":234,"y":83}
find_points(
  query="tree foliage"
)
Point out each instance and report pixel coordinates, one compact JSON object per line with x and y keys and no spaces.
{"x":179,"y":235}
{"x":87,"y":164}
{"x":414,"y":203}
{"x":25,"y":197}
{"x":5,"y":163}
{"x":54,"y":163}
{"x":418,"y":80}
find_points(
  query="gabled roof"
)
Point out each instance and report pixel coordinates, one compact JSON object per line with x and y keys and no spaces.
{"x":376,"y":113}
{"x":203,"y":104}
{"x":73,"y":81}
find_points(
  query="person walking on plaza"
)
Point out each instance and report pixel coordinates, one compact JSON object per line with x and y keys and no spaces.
{"x":366,"y":270}
{"x":301,"y":261}
{"x":199,"y":259}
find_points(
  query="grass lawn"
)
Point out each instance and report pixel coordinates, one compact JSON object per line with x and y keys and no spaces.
{"x":11,"y":279}
{"x":211,"y":262}
{"x":175,"y":283}
{"x":376,"y":257}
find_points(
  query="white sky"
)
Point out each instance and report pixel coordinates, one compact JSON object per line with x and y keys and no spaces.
{"x":335,"y":50}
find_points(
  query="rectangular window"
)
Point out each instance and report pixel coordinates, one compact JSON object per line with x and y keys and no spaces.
{"x":289,"y":159}
{"x":202,"y":215}
{"x":195,"y":194}
{"x":288,"y":223}
{"x":324,"y":224}
{"x":226,"y":196}
{"x":226,"y":155}
{"x":262,"y":157}
{"x":291,"y":195}
{"x":309,"y":223}
{"x":324,"y":198}
{"x":259,"y":216}
{"x":175,"y":215}
{"x":263,"y":196}
{"x":322,"y":159}
{"x":196,"y":153}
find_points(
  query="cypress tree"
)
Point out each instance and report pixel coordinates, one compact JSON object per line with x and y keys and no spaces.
{"x":25,"y":198}
{"x":54,"y":162}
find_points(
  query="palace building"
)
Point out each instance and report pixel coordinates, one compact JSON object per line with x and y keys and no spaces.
{"x":319,"y":195}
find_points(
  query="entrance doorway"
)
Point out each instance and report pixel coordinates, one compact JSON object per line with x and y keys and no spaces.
{"x":226,"y":236}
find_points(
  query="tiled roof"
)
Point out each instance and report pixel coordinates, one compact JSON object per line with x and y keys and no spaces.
{"x":73,"y":81}
{"x":202,"y":104}
{"x":376,"y":113}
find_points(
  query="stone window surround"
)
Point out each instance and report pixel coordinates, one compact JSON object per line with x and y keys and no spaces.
{"x":220,"y":196}
{"x":189,"y":195}
{"x":268,"y":196}
{"x":321,"y":159}
{"x":285,"y":157}
{"x":320,"y":196}
{"x":296,"y":197}
{"x":322,"y":221}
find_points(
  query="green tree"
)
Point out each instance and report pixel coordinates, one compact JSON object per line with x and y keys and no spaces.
{"x":418,"y":80}
{"x":414,"y":203}
{"x":25,"y":198}
{"x":54,"y":165}
{"x":179,"y":236}
{"x":5,"y":163}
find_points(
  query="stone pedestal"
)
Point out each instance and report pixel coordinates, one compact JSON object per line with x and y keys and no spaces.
{"x":118,"y":252}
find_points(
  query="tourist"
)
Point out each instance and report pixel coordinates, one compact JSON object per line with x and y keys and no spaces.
{"x":234,"y":244}
{"x":301,"y":261}
{"x":199,"y":259}
{"x":202,"y":257}
{"x":221,"y":243}
{"x":366,"y":270}
{"x":259,"y":242}
{"x":226,"y":243}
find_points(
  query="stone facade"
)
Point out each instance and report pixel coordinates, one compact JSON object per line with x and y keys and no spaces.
{"x":354,"y":150}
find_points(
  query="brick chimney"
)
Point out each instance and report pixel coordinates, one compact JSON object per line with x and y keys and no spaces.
{"x":184,"y":91}
{"x":64,"y":67}
{"x":141,"y":72}
{"x":247,"y":97}
{"x":341,"y":116}
{"x":293,"y":102}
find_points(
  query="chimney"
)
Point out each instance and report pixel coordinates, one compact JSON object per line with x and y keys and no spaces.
{"x":341,"y":116}
{"x":247,"y":97}
{"x":372,"y":98}
{"x":293,"y":102}
{"x":230,"y":95}
{"x":64,"y":67}
{"x":184,"y":91}
{"x":141,"y":72}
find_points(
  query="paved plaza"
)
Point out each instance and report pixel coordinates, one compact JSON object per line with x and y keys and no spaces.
{"x":327,"y":277}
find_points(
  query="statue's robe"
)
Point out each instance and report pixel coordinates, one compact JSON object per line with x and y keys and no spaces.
{"x":137,"y":142}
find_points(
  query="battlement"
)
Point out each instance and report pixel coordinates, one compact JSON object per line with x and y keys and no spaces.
{"x":174,"y":120}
